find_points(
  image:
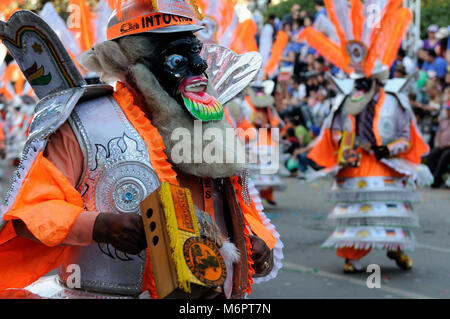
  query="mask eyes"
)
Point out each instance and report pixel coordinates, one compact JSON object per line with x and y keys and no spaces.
{"x":175,"y":61}
{"x":363,"y":84}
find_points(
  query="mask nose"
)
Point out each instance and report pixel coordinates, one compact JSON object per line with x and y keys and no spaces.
{"x":199,"y":65}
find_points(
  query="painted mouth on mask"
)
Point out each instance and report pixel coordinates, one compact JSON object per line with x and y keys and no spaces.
{"x":358,"y":95}
{"x":198,"y":102}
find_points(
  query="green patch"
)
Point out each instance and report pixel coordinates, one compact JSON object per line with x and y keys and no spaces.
{"x":43,"y":80}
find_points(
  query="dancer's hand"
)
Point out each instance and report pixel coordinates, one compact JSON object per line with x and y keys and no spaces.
{"x":124,"y":232}
{"x":261,"y":256}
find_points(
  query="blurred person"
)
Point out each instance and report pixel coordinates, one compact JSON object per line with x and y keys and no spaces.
{"x":421,"y":57}
{"x":369,"y":142}
{"x":301,"y":153}
{"x":293,"y":14}
{"x":286,"y":67}
{"x":50,"y":222}
{"x":442,"y":35}
{"x":434,"y":63}
{"x":399,"y":71}
{"x":439,"y":158}
{"x":267,"y":38}
{"x":406,"y":61}
{"x":447,"y":79}
{"x":428,"y":112}
{"x":320,"y":8}
{"x":432,"y":41}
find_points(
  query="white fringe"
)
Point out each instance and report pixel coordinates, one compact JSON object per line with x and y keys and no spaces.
{"x":278,"y":249}
{"x":420,"y":174}
{"x":386,"y":221}
{"x":367,"y":196}
{"x":333,"y":244}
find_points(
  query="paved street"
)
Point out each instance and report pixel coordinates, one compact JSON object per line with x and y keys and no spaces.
{"x":312,"y":272}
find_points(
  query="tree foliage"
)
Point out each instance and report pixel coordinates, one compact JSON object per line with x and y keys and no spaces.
{"x":434,"y":12}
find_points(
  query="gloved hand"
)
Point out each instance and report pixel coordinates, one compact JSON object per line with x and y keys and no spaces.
{"x":381,"y":152}
{"x":261,"y":256}
{"x":124,"y":232}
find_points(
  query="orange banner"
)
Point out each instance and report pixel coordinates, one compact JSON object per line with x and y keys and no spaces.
{"x":277,"y":52}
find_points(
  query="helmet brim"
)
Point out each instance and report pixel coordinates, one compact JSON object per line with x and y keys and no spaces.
{"x":177,"y":29}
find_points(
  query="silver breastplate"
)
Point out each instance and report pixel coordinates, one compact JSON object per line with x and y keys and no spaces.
{"x":387,"y":125}
{"x":117,"y":177}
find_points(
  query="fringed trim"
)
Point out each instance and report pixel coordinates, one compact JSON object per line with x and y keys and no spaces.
{"x":175,"y":242}
{"x":149,"y":133}
{"x":248,"y":244}
{"x":408,"y":222}
{"x":367,"y":196}
{"x":278,"y":249}
{"x":410,"y":246}
{"x":420,"y":174}
{"x":311,"y":176}
{"x":250,"y":262}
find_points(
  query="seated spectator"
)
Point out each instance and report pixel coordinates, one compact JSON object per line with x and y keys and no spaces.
{"x":399,"y":71}
{"x":434,"y":63}
{"x":407,"y":62}
{"x":301,"y":154}
{"x":428,"y":113}
{"x":439,"y":158}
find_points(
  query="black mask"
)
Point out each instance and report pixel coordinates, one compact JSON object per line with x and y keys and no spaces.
{"x":364,"y":84}
{"x":181,"y":71}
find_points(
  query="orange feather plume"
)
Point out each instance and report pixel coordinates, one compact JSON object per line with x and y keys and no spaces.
{"x":389,"y":12}
{"x":387,"y":39}
{"x":332,"y":15}
{"x":226,"y":14}
{"x":326,"y":48}
{"x":358,"y":19}
{"x":244,"y":39}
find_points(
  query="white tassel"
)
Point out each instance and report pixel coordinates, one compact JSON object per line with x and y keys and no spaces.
{"x":229,"y":252}
{"x":230,"y":255}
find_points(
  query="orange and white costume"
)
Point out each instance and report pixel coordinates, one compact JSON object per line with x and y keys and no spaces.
{"x":91,"y":150}
{"x":373,"y":199}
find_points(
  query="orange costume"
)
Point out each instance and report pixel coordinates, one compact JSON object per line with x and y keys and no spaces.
{"x":370,"y":139}
{"x":93,"y":151}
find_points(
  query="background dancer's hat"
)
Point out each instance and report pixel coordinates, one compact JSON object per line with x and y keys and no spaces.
{"x":358,"y":40}
{"x":154,"y":16}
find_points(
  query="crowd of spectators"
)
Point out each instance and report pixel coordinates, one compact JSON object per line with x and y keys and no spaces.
{"x":304,"y":94}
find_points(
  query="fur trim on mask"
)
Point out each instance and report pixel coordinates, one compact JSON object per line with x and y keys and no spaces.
{"x":168,"y":115}
{"x":354,"y":108}
{"x":234,"y":109}
{"x":106,"y":59}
